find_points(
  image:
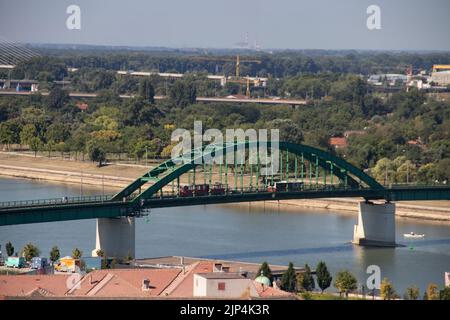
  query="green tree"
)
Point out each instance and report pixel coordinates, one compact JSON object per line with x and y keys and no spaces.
{"x":432,"y":292}
{"x":183,"y":93}
{"x":412,"y":293}
{"x":305,"y":280}
{"x":77,"y":253}
{"x":97,"y":154}
{"x":406,"y":172}
{"x":140,"y":149}
{"x":266,"y":271}
{"x":54,"y":254}
{"x":443,"y":170}
{"x":30,"y":251}
{"x":384,"y":171}
{"x":9,"y":132}
{"x":324,"y":277}
{"x":35,"y":145}
{"x":387,"y":290}
{"x":57,"y":98}
{"x":345,"y":282}
{"x":445,"y":293}
{"x":105,"y":264}
{"x":427,"y":173}
{"x":100,"y":253}
{"x":9,"y":249}
{"x":288,"y":279}
{"x":50,"y":146}
{"x":146,"y":90}
{"x":289,"y":131}
{"x":57,"y":132}
{"x":27,"y":133}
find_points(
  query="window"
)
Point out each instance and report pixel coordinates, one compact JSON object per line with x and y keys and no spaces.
{"x":221,"y":286}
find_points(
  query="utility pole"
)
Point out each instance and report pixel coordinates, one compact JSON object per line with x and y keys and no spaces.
{"x":385,"y":175}
{"x":407,"y":173}
{"x":81,"y":184}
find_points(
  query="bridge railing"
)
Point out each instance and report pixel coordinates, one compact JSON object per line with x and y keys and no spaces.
{"x":418,"y":186}
{"x":54,"y":201}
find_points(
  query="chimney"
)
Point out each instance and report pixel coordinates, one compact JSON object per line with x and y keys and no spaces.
{"x":145,"y":284}
{"x":217,"y":267}
{"x":182,"y":261}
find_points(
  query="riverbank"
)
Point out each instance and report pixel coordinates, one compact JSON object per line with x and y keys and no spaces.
{"x":436,"y":211}
{"x":114,"y":177}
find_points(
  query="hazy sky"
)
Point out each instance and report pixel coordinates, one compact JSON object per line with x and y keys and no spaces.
{"x":296,"y":24}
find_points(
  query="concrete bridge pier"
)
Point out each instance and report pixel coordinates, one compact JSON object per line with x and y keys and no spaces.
{"x":115,"y":237}
{"x":376,"y":225}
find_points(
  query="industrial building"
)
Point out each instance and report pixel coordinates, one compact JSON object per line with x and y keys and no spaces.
{"x":442,"y":78}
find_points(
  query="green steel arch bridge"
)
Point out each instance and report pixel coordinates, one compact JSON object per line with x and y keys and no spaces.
{"x":306,"y":173}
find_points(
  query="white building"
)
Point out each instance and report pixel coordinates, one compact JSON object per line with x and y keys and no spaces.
{"x":442,"y":78}
{"x":389,"y":78}
{"x":223,"y":285}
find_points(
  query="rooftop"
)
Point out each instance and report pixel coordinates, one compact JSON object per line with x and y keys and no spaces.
{"x":221,"y":275}
{"x":170,"y":280}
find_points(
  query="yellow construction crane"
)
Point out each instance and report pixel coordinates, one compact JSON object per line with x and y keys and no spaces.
{"x":246,"y":81}
{"x":238,"y":61}
{"x":437,"y":67}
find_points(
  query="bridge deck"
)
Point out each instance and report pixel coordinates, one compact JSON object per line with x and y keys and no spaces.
{"x":62,"y":209}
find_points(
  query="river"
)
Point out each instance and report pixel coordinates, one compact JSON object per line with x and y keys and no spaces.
{"x":246,"y":232}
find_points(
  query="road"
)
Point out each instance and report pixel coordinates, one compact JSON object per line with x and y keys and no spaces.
{"x":291,"y":102}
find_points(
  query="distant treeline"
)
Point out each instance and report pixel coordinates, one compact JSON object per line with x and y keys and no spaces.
{"x":277,"y":64}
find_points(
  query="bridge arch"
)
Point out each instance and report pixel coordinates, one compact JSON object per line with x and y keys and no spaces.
{"x":169,"y":171}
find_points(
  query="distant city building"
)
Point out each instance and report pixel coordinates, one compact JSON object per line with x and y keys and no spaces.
{"x":447,"y":279}
{"x":390,"y":79}
{"x":441,"y":78}
{"x":419,"y":84}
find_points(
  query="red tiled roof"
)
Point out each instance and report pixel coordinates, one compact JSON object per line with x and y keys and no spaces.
{"x":414,"y":142}
{"x":82,"y":106}
{"x":185,"y":288}
{"x":125,"y":282}
{"x":269,"y":292}
{"x":338,"y":142}
{"x":26,"y":285}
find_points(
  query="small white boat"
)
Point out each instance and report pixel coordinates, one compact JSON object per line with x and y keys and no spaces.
{"x":413,"y":235}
